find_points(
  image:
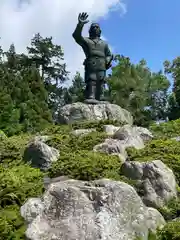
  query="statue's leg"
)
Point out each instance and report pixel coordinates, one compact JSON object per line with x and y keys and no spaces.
{"x":99,"y":85}
{"x":90,"y":89}
{"x":90,"y":79}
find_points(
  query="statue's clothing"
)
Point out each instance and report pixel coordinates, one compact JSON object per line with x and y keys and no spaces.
{"x":98,"y":57}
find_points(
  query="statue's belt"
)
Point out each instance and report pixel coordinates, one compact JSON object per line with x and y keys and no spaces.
{"x":94,"y":58}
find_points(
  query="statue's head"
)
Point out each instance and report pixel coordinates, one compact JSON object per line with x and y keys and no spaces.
{"x":94,"y":30}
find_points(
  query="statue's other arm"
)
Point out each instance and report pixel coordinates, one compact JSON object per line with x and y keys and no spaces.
{"x":109,"y":57}
{"x":77,"y":34}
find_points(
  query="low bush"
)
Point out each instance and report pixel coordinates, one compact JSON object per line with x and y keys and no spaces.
{"x":167,"y":129}
{"x":98,"y":125}
{"x":16,"y":186}
{"x":68,"y":143}
{"x":86,"y":165}
{"x":171,"y":231}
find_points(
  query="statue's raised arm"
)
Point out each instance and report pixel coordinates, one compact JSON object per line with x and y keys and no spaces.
{"x":77,"y":34}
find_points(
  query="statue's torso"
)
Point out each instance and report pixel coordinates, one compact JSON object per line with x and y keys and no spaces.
{"x":95,"y":55}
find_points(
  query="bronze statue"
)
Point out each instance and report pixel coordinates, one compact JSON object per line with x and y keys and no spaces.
{"x":98,"y":58}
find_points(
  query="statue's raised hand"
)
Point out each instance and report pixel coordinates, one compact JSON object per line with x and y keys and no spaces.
{"x":83,"y":18}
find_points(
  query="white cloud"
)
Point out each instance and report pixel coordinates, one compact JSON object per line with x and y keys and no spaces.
{"x":21,"y":19}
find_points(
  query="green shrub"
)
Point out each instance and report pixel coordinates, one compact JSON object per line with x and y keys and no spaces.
{"x":171,"y":210}
{"x":18,"y":183}
{"x":171,"y":231}
{"x":56,"y":129}
{"x":69,"y":143}
{"x":11,"y":149}
{"x":96,"y":124}
{"x":168,"y":151}
{"x":167,"y":129}
{"x":12,"y":226}
{"x":2,"y":135}
{"x":16,"y":186}
{"x":85,"y":165}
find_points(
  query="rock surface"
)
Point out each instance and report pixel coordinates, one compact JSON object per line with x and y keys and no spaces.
{"x":39,"y":154}
{"x":76,"y":210}
{"x":81,"y":112}
{"x":156,"y":182}
{"x":122,"y":138}
{"x":82,"y":132}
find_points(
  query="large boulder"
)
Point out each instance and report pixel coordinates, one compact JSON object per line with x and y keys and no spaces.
{"x":101,"y":209}
{"x":39,"y":154}
{"x":91,"y":112}
{"x":156,"y":182}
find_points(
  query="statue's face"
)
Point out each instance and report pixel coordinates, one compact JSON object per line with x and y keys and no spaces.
{"x":95,"y":30}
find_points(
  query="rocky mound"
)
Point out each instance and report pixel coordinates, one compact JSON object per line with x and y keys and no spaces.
{"x":96,"y":179}
{"x":93,"y":112}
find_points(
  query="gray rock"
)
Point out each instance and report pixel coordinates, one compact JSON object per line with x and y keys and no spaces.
{"x":156,"y":182}
{"x":133,"y":136}
{"x":39,"y":154}
{"x":177,"y":139}
{"x":43,"y":139}
{"x":33,"y":208}
{"x":123,"y":138}
{"x":154,"y":219}
{"x":103,"y":209}
{"x":112,"y":146}
{"x":144,"y":133}
{"x":91,"y":112}
{"x":80,"y":132}
{"x":110,"y":129}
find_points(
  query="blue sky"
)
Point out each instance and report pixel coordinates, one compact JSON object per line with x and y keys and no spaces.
{"x":150,"y":29}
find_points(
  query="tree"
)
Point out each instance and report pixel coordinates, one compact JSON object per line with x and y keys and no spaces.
{"x":48,"y":59}
{"x":135,"y":88}
{"x":75,"y":93}
{"x":23,"y":97}
{"x":173,"y":69}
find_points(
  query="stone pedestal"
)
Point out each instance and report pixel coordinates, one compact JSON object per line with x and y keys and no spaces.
{"x":93,"y":112}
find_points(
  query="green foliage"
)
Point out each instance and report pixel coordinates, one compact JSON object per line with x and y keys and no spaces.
{"x":56,"y":129}
{"x":137,"y":89}
{"x":11,"y":149}
{"x":12,"y":226}
{"x":48,"y":58}
{"x":2,"y":135}
{"x":167,"y":129}
{"x":98,"y":125}
{"x":171,"y":210}
{"x":69,"y":143}
{"x":23,"y":101}
{"x":86,"y":165}
{"x":170,"y":231}
{"x":75,"y":93}
{"x":17,"y":185}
